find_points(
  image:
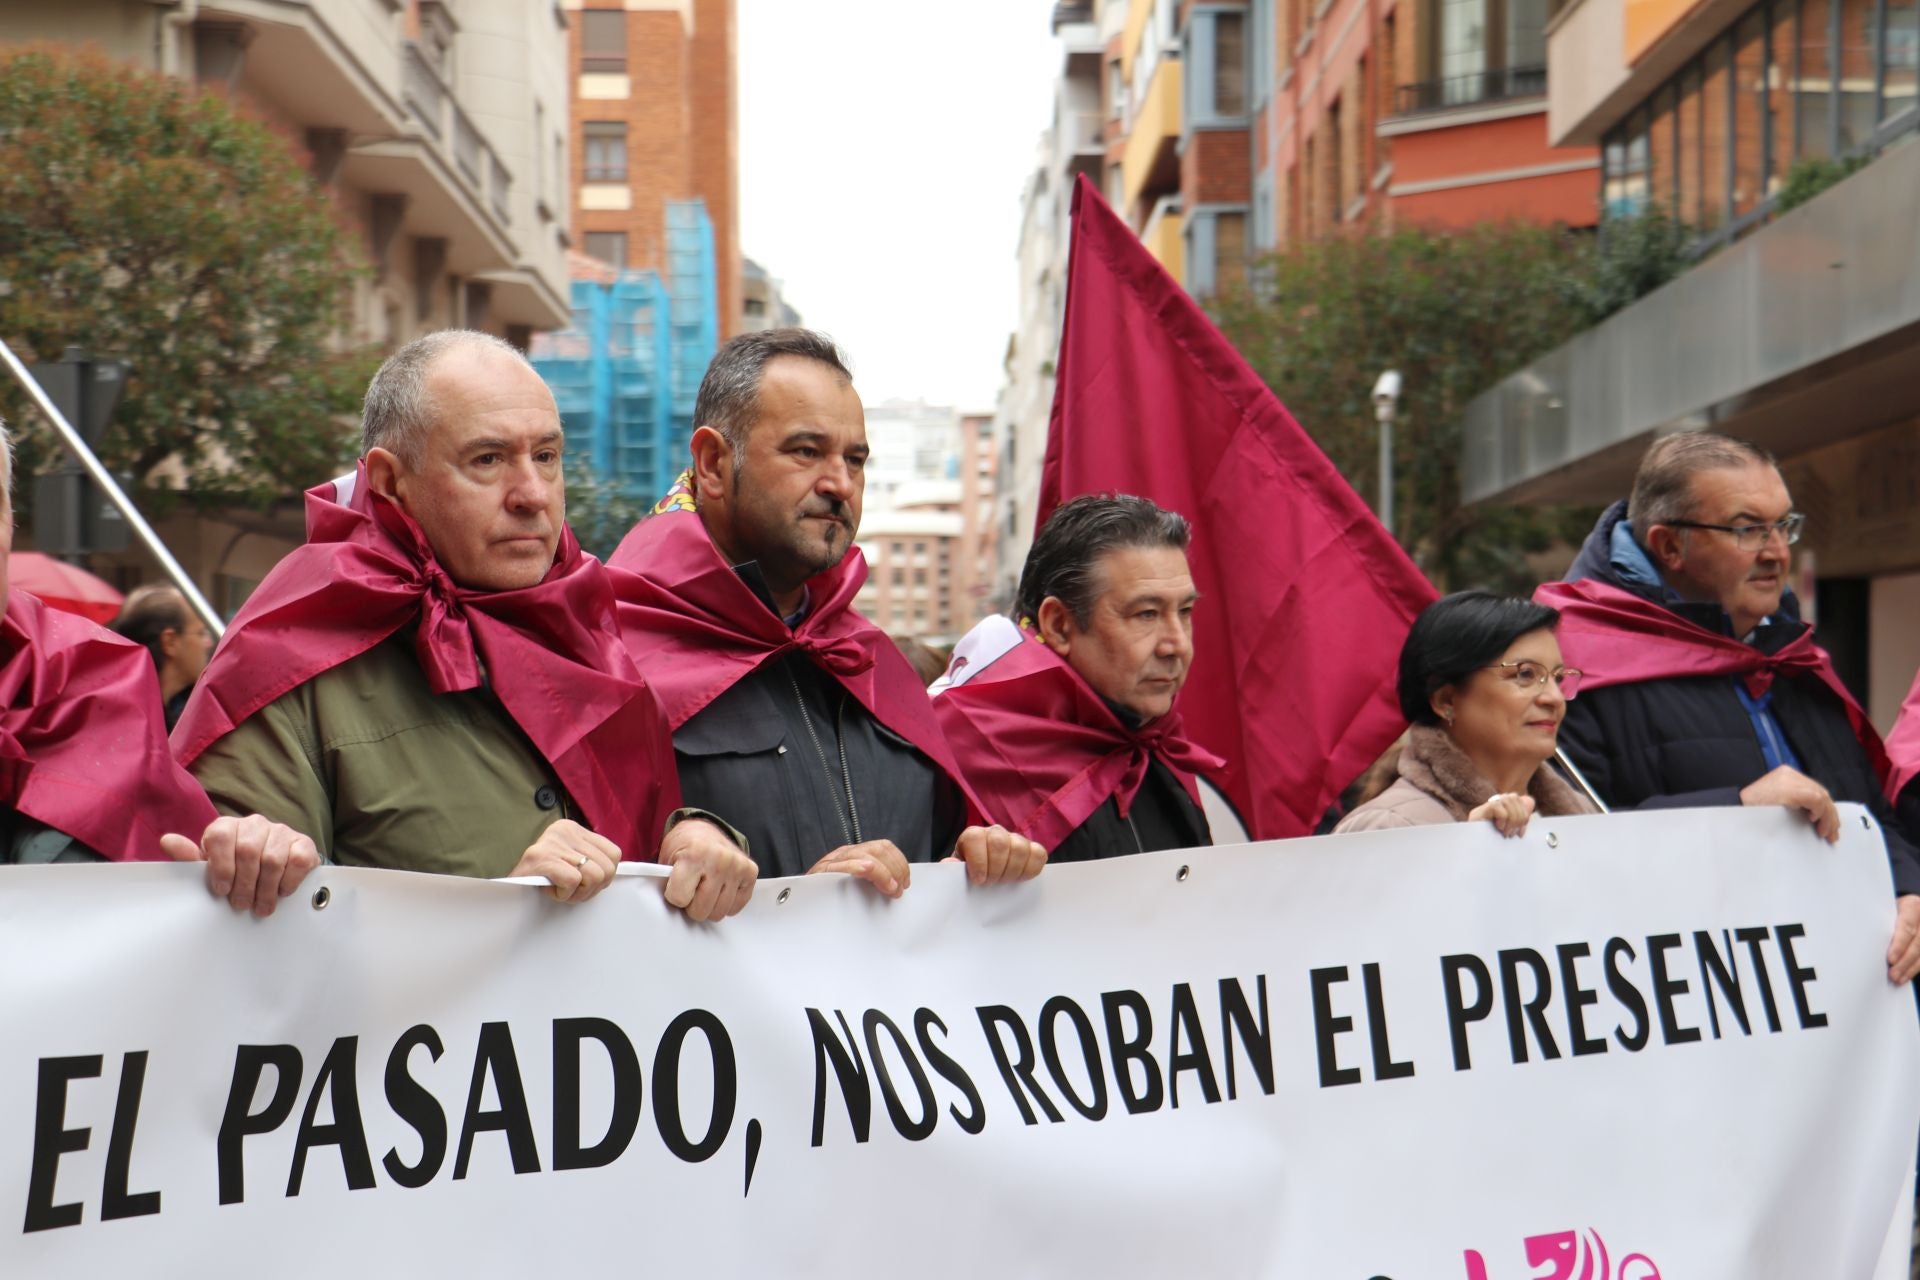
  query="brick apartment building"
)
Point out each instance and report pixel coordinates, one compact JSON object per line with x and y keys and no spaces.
{"x":654,"y":119}
{"x":1234,"y":127}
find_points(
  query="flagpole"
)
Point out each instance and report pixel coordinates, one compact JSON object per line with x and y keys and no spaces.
{"x":77,"y":446}
{"x":1579,"y":780}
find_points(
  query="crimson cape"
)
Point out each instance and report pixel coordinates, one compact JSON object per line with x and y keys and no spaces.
{"x":1044,"y":751}
{"x":83,"y":745}
{"x":552,"y":653}
{"x":1903,"y":744}
{"x":1616,"y":637}
{"x":697,"y":629}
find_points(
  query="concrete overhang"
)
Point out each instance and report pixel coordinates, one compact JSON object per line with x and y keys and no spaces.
{"x":521,"y":295}
{"x":1803,"y":334}
{"x":439,"y":202}
{"x":306,"y":71}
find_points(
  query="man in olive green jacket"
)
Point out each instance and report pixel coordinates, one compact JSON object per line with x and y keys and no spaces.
{"x":434,"y":682}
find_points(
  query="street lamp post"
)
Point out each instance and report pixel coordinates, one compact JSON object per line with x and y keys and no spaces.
{"x":1386,"y":402}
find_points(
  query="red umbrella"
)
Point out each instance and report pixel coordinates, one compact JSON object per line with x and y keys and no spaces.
{"x":62,"y":586}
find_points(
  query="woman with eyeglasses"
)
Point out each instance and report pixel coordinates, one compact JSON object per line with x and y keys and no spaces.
{"x":1482,"y":681}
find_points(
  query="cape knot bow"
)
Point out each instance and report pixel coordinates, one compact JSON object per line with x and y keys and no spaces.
{"x":1163,"y":738}
{"x":1792,"y":660}
{"x":444,"y":642}
{"x":843,"y":655}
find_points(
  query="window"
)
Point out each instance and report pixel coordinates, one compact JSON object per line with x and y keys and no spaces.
{"x":606,"y":150}
{"x":1779,"y":93}
{"x":1463,"y":47}
{"x":1230,"y":251}
{"x":1687,"y":201}
{"x":609,"y":247}
{"x":1483,"y":51}
{"x":1715,"y":136}
{"x":1230,"y":64}
{"x":1857,"y":96}
{"x":1813,"y":103}
{"x":1216,"y":58}
{"x":1900,"y":39}
{"x":603,"y":41}
{"x":1750,"y":113}
{"x":1661,"y":152}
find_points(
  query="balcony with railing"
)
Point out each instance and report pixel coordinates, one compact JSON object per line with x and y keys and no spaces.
{"x":1071,"y":12}
{"x":485,"y":177}
{"x":1501,"y":84}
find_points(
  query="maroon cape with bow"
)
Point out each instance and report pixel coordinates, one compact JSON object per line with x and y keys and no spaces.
{"x":1044,"y":751}
{"x":552,"y":653}
{"x":697,"y":629}
{"x":83,"y":744}
{"x":1616,"y":637}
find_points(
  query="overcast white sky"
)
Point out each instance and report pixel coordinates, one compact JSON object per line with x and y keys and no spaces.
{"x":883,"y":144}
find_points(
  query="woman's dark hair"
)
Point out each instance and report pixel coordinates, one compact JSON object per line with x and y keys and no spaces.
{"x":1455,"y":637}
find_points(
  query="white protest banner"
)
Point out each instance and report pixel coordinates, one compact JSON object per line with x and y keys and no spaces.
{"x":1617,"y":1048}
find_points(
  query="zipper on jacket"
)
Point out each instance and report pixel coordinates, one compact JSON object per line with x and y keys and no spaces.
{"x":846,"y":774}
{"x":1139,"y":845}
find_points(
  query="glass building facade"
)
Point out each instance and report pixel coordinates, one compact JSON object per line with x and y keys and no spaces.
{"x":1791,"y":80}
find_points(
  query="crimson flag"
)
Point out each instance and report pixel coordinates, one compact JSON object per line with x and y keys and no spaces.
{"x":1305,"y":598}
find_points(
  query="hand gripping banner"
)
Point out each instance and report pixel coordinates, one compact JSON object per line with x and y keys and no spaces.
{"x":1619,"y":1048}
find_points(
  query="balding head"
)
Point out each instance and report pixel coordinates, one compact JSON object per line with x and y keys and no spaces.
{"x":463,"y":436}
{"x":400,"y":408}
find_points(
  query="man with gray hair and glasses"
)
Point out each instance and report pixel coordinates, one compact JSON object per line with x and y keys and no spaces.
{"x":434,"y":682}
{"x":1702,"y":685}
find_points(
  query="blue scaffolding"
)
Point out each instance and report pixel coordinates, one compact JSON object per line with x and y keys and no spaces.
{"x":625,"y":373}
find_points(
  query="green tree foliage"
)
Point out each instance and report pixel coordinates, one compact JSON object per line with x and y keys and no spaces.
{"x":148,"y":220}
{"x":599,"y":510}
{"x":1809,"y":177}
{"x":1633,"y":257}
{"x":1454,"y":313}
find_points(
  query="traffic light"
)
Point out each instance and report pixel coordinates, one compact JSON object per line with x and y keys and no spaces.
{"x":71,"y":516}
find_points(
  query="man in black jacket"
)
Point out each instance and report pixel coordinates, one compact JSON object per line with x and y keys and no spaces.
{"x":1705,"y":537}
{"x":1064,"y":722}
{"x":794,"y":717}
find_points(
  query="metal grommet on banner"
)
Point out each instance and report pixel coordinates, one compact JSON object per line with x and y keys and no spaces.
{"x":784,"y":894}
{"x":1183,"y":873}
{"x":1553,"y":841}
{"x":321,"y":897}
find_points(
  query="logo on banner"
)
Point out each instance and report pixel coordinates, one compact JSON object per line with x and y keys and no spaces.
{"x":1571,"y":1255}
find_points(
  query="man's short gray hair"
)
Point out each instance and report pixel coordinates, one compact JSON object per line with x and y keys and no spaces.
{"x":1663,"y":487}
{"x":398,"y":413}
{"x":729,"y":396}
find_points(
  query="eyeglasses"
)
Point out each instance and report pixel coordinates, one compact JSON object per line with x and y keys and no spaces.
{"x":1526,"y":675}
{"x":1752,"y":537}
